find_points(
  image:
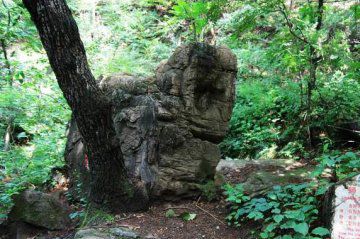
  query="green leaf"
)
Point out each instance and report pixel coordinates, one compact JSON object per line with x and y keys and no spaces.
{"x":302,"y":228}
{"x":288,"y":224}
{"x":186,"y":216}
{"x":276,"y":210}
{"x":255,"y":215}
{"x":170,"y":213}
{"x":271,"y":227}
{"x":278,"y":218}
{"x":264,"y":235}
{"x":295,"y":214}
{"x":321,"y":231}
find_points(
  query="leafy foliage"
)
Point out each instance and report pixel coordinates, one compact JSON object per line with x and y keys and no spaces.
{"x":287,"y":102}
{"x":209,"y":190}
{"x":286,"y":212}
{"x":29,"y":101}
{"x":198,"y":14}
{"x":292,"y":211}
{"x":339,"y":165}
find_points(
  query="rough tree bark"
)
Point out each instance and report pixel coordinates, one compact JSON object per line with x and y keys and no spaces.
{"x":60,"y":37}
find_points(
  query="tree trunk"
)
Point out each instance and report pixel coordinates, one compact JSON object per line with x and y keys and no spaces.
{"x":110,"y":186}
{"x":314,"y":62}
{"x":311,"y":83}
{"x":8,"y":135}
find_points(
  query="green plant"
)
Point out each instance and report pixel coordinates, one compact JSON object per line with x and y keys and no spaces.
{"x":170,"y":213}
{"x":186,"y":216}
{"x":286,"y":212}
{"x":198,"y":14}
{"x":209,"y":190}
{"x":95,"y":216}
{"x":338,"y":165}
{"x":279,"y":103}
{"x":235,"y":195}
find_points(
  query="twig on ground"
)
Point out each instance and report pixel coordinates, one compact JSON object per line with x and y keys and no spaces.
{"x":167,"y":208}
{"x":209,"y":213}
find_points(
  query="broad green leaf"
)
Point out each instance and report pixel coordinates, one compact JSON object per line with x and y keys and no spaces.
{"x":302,"y":228}
{"x":321,"y":231}
{"x":278,"y":218}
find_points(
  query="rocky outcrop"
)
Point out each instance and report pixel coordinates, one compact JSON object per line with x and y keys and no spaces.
{"x":39,"y":209}
{"x":168,"y":126}
{"x":259,"y":176}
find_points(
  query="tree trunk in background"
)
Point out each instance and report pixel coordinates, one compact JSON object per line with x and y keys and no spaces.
{"x":8,"y":135}
{"x":314,"y":62}
{"x":60,"y":37}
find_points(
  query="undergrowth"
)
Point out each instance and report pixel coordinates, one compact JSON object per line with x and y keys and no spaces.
{"x":292,"y":211}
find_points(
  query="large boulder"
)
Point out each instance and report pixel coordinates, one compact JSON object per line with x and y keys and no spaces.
{"x":259,"y":176}
{"x":168,"y":126}
{"x":39,"y":209}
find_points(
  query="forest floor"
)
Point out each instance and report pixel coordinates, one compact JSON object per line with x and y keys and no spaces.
{"x":154,"y":224}
{"x":209,"y":222}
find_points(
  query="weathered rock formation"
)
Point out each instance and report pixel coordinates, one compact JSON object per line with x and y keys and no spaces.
{"x":169,"y":125}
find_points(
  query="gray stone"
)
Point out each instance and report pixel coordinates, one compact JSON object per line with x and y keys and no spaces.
{"x":106,"y":233}
{"x":39,"y":209}
{"x":151,"y":236}
{"x":91,"y":233}
{"x":123,"y":233}
{"x":169,"y":125}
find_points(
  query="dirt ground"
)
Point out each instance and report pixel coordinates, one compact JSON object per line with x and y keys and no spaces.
{"x":153,"y":224}
{"x":209,"y":222}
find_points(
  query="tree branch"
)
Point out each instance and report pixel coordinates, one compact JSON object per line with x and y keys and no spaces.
{"x":320,"y":11}
{"x":290,"y":25}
